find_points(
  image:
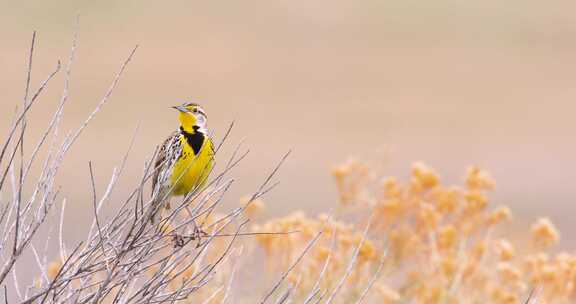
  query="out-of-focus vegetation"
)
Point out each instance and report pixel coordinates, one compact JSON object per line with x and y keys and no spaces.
{"x":426,"y":243}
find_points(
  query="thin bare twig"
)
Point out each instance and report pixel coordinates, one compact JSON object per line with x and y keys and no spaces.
{"x":23,"y":130}
{"x":287,"y":272}
{"x":224,"y":138}
{"x":102,"y":102}
{"x":351,"y":263}
{"x":316,"y":288}
{"x":95,"y":209}
{"x":531,"y":295}
{"x":374,"y":277}
{"x":25,"y":110}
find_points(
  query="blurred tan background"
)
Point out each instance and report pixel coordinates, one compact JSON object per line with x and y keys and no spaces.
{"x":450,"y":83}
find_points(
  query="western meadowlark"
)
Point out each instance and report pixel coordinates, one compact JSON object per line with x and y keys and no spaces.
{"x":184,"y":160}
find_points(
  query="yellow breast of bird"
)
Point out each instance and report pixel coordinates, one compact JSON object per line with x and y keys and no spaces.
{"x":191,"y":170}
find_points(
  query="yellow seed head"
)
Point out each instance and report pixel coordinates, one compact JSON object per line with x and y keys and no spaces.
{"x":391,"y":188}
{"x":447,"y":237}
{"x":447,"y":200}
{"x":508,"y":273}
{"x":389,"y":210}
{"x":478,"y":179}
{"x":544,"y":233}
{"x":402,"y":243}
{"x":498,"y":215}
{"x":501,"y":296}
{"x":549,"y":274}
{"x":322,"y":253}
{"x":449,"y":266}
{"x":428,"y":217}
{"x":254,"y":208}
{"x":478,"y":250}
{"x":505,"y":250}
{"x":424,"y":176}
{"x":367,"y":251}
{"x":53,"y":269}
{"x":476,"y":201}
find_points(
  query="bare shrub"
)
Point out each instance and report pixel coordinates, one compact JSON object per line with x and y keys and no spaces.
{"x":124,"y":258}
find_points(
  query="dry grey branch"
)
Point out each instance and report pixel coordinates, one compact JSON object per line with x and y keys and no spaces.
{"x":373,"y":278}
{"x":287,"y":272}
{"x":123,"y":258}
{"x":352,"y":262}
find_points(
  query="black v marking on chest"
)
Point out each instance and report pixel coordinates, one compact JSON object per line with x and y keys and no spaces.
{"x":194,"y":140}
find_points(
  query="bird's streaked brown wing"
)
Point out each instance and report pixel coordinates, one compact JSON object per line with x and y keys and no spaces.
{"x":160,"y":161}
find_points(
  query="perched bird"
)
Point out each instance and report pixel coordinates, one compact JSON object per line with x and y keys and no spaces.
{"x":184,"y":160}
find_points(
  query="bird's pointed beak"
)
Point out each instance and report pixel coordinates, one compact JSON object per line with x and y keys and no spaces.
{"x":181,"y":109}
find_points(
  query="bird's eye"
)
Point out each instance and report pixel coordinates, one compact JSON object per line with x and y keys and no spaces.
{"x":195,"y":110}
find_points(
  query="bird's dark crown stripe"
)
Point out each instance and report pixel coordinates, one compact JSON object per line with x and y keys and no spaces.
{"x":190,"y":104}
{"x":194,"y":140}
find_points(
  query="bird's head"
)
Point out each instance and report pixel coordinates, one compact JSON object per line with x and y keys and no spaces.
{"x":192,"y":117}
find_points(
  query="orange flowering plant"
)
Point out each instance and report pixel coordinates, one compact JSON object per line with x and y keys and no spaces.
{"x":425,"y":242}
